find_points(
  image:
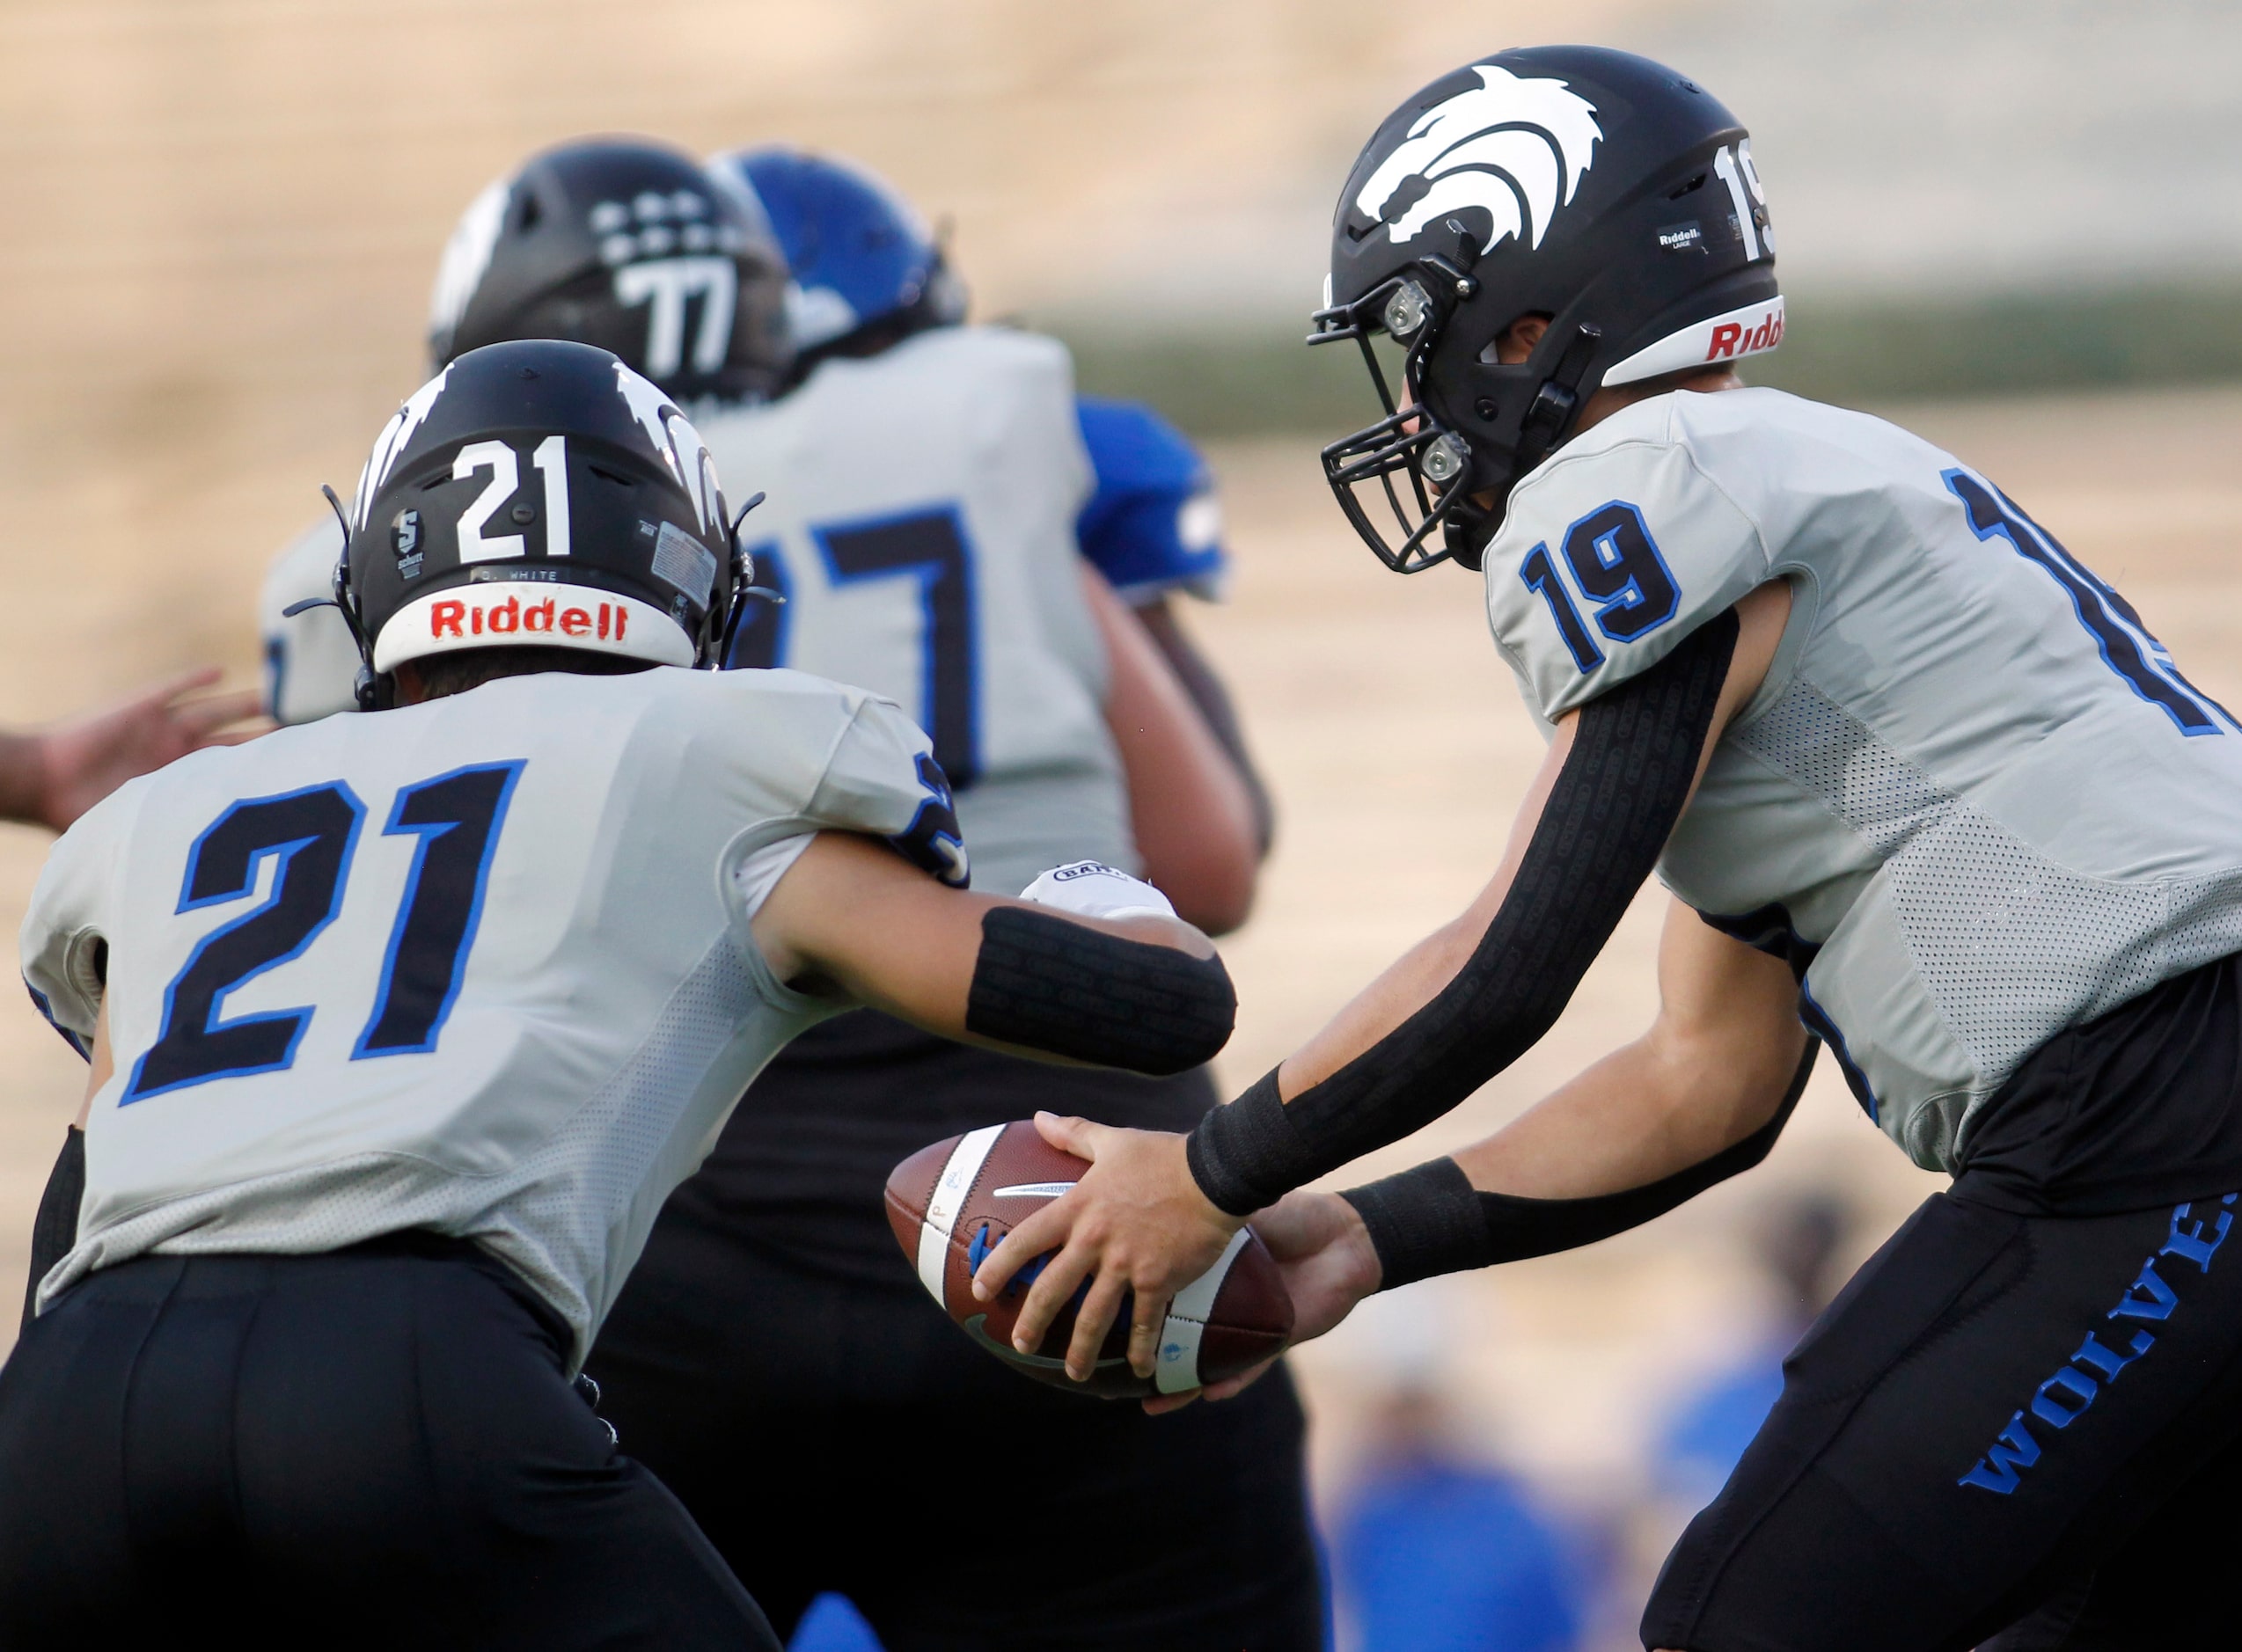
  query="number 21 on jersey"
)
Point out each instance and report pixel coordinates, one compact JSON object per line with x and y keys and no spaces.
{"x":310,"y":835}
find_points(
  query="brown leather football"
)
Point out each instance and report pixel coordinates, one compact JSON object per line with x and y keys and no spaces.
{"x":950,"y":1203}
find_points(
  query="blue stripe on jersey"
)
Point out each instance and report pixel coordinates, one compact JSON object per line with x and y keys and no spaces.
{"x":1817,"y":1022}
{"x":46,"y":1008}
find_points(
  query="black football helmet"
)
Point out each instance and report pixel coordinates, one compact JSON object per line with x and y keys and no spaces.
{"x":537,"y":492}
{"x":1601,"y":190}
{"x":629,"y":246}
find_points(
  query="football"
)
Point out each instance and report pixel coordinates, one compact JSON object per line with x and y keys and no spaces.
{"x":950,"y":1203}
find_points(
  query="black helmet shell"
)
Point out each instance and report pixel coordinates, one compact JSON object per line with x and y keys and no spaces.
{"x":540,"y":493}
{"x":1606,"y":193}
{"x":629,"y":246}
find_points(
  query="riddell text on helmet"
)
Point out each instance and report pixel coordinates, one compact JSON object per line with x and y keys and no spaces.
{"x":1731,"y":339}
{"x":447,"y":618}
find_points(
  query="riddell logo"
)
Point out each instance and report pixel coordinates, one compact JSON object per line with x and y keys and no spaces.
{"x":477,"y":617}
{"x":1735,"y":338}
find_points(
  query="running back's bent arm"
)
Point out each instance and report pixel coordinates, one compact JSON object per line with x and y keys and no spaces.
{"x":1191,"y":808}
{"x":852,"y":918}
{"x":1464,"y":1003}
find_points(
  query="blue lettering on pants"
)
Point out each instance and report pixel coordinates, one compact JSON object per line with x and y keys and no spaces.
{"x":2065,"y":1397}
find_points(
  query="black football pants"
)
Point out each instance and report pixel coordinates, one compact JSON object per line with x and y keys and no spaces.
{"x":2026,"y":1423}
{"x":830,"y":1435}
{"x":373,"y":1447}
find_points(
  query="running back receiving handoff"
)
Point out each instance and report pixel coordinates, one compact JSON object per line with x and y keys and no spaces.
{"x":479,"y":985}
{"x":403,"y":1024}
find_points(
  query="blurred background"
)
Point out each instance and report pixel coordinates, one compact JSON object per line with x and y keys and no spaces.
{"x":2015,"y":226}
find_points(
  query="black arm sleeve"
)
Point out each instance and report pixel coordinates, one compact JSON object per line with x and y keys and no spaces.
{"x":1064,"y":988}
{"x":1615,"y":800}
{"x":1431,"y":1220}
{"x":54,"y":1230}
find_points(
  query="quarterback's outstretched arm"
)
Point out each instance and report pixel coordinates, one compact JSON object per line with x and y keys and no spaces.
{"x":1700,"y":1097}
{"x":1143,"y":993}
{"x":1452,"y":1013}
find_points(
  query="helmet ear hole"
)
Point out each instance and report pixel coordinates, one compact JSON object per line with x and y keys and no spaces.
{"x":1517,"y":340}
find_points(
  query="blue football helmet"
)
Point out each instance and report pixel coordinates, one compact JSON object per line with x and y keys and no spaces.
{"x":867,"y":271}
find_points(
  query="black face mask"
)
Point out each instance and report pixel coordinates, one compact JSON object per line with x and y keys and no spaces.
{"x":1447,"y":481}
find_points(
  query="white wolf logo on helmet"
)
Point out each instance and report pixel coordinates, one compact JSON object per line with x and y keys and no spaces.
{"x":1507,"y":146}
{"x":674,"y":438}
{"x":396,"y":436}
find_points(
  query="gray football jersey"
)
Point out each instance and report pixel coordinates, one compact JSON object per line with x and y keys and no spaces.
{"x":920,"y":520}
{"x":1973,"y":790}
{"x":481,"y":966}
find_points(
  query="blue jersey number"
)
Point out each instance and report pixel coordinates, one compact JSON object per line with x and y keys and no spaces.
{"x":2142,"y":662}
{"x":456,"y":817}
{"x":929,"y":548}
{"x":311,"y":833}
{"x":1620,"y":572}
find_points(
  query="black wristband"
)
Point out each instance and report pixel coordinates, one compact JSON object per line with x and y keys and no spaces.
{"x":1248,"y":1154}
{"x":1423,"y":1222}
{"x":1431,"y":1220}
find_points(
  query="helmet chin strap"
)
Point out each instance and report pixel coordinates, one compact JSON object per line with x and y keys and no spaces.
{"x":743,"y":587}
{"x":367,"y":689}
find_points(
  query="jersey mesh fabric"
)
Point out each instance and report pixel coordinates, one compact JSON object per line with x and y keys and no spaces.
{"x":1843,"y":764}
{"x":2013,"y":946}
{"x":621,"y":1150}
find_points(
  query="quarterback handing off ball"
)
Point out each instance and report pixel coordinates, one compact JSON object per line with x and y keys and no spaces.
{"x":949,"y":1205}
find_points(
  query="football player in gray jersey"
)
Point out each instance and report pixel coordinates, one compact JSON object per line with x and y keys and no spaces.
{"x":964,"y":571}
{"x":403,"y":1024}
{"x":952,"y":527}
{"x":1923,"y":789}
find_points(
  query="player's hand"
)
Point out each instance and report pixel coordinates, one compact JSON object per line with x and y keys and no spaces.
{"x":84,"y":759}
{"x":1135,"y":1225}
{"x":1324,"y":1253}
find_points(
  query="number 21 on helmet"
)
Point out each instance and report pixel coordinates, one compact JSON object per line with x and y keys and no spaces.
{"x":541,"y":494}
